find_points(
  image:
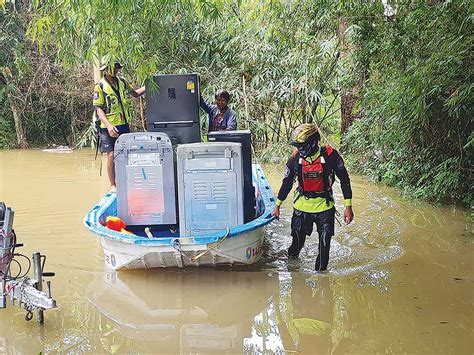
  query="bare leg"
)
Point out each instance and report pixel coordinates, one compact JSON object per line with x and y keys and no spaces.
{"x":111,"y":168}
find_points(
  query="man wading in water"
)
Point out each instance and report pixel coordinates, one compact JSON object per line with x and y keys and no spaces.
{"x":112,"y":103}
{"x":314,"y":167}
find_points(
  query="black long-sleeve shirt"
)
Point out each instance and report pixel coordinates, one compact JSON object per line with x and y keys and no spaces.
{"x":334,"y":163}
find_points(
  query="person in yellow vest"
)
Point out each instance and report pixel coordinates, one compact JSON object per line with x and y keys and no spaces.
{"x":112,"y":102}
{"x":315,"y":168}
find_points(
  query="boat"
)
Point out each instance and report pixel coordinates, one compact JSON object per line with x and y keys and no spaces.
{"x":241,"y":244}
{"x":185,"y":202}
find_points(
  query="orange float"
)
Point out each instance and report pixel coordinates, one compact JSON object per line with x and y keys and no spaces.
{"x":116,"y":224}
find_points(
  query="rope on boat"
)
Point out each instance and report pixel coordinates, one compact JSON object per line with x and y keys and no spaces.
{"x":194,"y":258}
{"x":177,"y":246}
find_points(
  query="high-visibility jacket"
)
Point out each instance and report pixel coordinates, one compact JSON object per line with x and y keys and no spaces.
{"x":334,"y":163}
{"x":113,"y":100}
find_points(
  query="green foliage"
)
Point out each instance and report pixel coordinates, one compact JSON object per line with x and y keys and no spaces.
{"x":284,"y":62}
{"x":50,"y":103}
{"x":417,"y":101}
{"x":7,"y":133}
{"x":276,"y":59}
{"x":274,"y":153}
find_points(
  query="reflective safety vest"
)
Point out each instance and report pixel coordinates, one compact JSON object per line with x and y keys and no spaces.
{"x":314,"y":176}
{"x":114,"y":101}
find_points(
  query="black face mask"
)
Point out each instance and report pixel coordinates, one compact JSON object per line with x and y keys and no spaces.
{"x":308,"y":149}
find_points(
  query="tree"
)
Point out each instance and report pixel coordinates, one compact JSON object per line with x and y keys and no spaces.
{"x":13,"y":65}
{"x":417,"y":102}
{"x":253,"y":45}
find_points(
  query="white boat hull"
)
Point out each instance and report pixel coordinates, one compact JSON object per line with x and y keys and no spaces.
{"x":246,"y":249}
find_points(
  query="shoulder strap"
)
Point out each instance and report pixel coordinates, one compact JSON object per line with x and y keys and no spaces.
{"x":328,"y":167}
{"x":117,"y":93}
{"x":120,"y":98}
{"x":298,"y":168}
{"x":325,"y":152}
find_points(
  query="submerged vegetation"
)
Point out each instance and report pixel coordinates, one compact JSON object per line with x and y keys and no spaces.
{"x":393,"y":83}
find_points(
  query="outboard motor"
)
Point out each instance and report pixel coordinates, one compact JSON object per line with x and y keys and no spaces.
{"x":28,"y":292}
{"x":6,"y":240}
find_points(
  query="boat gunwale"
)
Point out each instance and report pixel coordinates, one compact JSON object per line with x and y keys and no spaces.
{"x":91,"y":220}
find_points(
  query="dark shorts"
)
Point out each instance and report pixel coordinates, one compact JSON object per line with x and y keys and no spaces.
{"x":107,"y":143}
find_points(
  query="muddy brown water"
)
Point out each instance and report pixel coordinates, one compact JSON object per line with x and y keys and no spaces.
{"x":400,"y":280}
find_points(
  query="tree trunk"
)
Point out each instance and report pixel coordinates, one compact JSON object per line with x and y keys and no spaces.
{"x":348,"y":101}
{"x":20,"y":132}
{"x":96,"y":66}
{"x":349,"y":96}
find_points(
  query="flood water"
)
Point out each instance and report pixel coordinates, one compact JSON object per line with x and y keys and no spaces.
{"x":400,"y":279}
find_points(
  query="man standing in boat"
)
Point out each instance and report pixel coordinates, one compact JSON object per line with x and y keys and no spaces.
{"x":315,"y":168}
{"x":112,"y":102}
{"x":221,"y":116}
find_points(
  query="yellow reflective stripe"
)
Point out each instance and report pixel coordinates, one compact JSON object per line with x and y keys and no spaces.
{"x":348,"y":202}
{"x":305,"y":133}
{"x":279,"y":202}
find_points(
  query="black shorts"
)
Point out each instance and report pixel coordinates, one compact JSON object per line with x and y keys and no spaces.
{"x":106,"y":142}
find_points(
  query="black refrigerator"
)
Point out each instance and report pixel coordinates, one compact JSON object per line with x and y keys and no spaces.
{"x":172,"y":105}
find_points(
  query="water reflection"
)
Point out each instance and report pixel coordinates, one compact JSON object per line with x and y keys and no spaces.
{"x":306,"y":309}
{"x":218,"y":311}
{"x":309,"y":315}
{"x":198,"y":310}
